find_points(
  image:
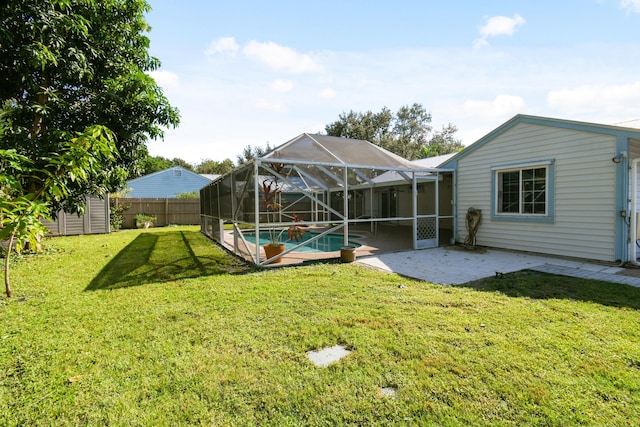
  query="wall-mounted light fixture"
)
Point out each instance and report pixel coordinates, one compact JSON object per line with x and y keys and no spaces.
{"x":619,"y":157}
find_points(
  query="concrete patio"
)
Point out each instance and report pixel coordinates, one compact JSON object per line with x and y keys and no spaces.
{"x":455,"y":265}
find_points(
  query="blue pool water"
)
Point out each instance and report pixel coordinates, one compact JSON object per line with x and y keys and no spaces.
{"x":327,"y":243}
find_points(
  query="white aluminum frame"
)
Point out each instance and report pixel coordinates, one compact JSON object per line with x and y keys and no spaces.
{"x":407,"y":175}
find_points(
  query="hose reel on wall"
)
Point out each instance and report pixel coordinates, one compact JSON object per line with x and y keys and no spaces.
{"x":472,"y":221}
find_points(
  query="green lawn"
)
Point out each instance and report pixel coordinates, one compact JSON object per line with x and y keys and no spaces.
{"x":161,"y":327}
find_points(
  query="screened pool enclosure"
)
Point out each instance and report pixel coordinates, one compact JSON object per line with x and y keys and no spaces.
{"x":330,"y":186}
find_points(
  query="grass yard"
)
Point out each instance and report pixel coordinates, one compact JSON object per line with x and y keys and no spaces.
{"x":161,"y":327}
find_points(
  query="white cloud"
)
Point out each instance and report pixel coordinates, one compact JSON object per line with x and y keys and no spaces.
{"x":498,"y":26}
{"x":274,"y":106}
{"x":281,"y":58}
{"x":327,"y":93}
{"x":281,"y":85}
{"x":222,"y":45}
{"x":165,"y":78}
{"x":631,"y":6}
{"x":501,"y":26}
{"x":457,"y":85}
{"x":606,"y":99}
{"x":502,"y":105}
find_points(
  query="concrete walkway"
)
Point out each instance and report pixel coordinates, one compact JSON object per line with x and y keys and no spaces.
{"x":455,"y":265}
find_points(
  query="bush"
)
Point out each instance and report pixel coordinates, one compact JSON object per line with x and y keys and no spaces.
{"x":115,"y":215}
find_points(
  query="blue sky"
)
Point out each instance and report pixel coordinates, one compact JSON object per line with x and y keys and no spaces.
{"x":251,"y":72}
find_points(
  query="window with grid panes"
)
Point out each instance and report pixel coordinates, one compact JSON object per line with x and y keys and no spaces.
{"x":522,"y":191}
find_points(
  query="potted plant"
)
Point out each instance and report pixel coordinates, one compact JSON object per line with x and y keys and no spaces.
{"x":144,"y":220}
{"x":270,"y":197}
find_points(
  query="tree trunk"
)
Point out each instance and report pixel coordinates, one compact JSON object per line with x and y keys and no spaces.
{"x":6,"y":265}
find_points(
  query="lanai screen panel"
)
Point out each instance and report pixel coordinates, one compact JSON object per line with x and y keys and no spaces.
{"x":244,"y":201}
{"x":331,"y":149}
{"x":303,"y":147}
{"x":360,"y":152}
{"x":323,"y":159}
{"x":225,"y":193}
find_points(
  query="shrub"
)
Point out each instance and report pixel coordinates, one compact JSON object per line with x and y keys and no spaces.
{"x":115,"y":214}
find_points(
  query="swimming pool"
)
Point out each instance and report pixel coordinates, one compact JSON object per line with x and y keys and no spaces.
{"x":326,"y":243}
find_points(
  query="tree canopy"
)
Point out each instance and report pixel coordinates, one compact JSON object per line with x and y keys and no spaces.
{"x":77,"y":106}
{"x":151,"y":164}
{"x":66,"y":65}
{"x":407,"y":133}
{"x":214,"y":167}
{"x":249,"y":153}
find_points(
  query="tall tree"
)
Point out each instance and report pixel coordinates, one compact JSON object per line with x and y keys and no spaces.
{"x":249,"y":153}
{"x":407,"y":133}
{"x":77,"y":103}
{"x":443,"y":142}
{"x":66,"y":65}
{"x":369,"y":126}
{"x":177,"y":161}
{"x":151,"y":164}
{"x":214,"y":167}
{"x":411,"y":131}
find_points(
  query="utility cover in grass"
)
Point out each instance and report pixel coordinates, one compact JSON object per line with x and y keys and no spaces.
{"x":327,"y":356}
{"x":388,"y":391}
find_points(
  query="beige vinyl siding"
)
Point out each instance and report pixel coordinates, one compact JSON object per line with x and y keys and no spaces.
{"x":585,"y":213}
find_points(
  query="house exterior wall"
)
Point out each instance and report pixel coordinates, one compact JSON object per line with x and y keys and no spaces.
{"x":167,"y":183}
{"x":582,"y":197}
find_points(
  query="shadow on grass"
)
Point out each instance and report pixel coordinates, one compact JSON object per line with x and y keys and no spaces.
{"x":537,"y":285}
{"x":155,"y":257}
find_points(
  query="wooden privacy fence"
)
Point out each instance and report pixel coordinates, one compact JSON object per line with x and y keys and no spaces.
{"x":167,"y":211}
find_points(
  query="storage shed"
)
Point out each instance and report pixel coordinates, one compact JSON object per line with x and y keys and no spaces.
{"x":552,"y":186}
{"x":94,"y":221}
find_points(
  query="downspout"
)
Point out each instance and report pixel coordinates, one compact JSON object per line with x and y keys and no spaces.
{"x":634,"y":214}
{"x":454,"y":202}
{"x":623,"y":237}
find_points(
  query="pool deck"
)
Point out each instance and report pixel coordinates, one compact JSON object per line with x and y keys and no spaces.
{"x":389,"y":249}
{"x":383,"y":239}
